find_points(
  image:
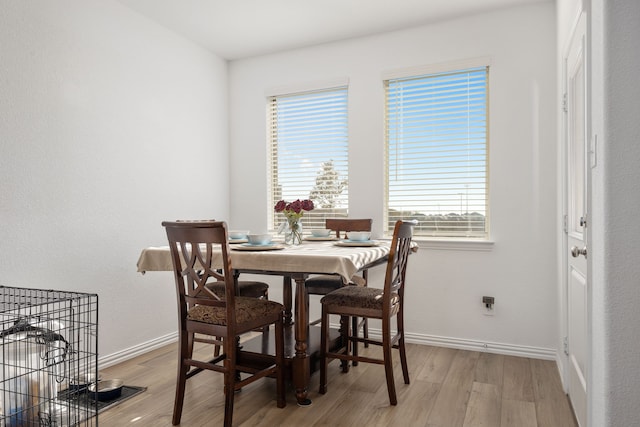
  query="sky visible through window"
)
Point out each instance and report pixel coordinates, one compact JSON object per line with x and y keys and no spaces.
{"x":310,"y":129}
{"x":437,"y":143}
{"x":436,"y":134}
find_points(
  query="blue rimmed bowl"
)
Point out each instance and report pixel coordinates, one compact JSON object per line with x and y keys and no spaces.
{"x":259,"y":239}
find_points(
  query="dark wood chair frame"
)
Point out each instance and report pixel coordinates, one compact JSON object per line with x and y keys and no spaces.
{"x":322,"y":285}
{"x":191,"y":245}
{"x":244,"y":288}
{"x":392,"y":305}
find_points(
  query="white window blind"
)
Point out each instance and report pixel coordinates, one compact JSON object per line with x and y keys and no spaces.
{"x":436,"y":132}
{"x":308,"y":143}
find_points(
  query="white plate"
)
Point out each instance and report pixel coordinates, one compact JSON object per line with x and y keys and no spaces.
{"x":235,"y":241}
{"x":249,"y":247}
{"x":361,"y":243}
{"x":320,"y":239}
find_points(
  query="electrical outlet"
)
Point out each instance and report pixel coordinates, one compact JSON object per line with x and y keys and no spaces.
{"x":488,"y":303}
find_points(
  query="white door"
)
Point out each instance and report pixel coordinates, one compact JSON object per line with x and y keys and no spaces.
{"x":576,"y":221}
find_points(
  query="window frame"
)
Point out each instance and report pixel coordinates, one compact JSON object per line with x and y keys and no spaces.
{"x":316,"y":217}
{"x":460,"y":239}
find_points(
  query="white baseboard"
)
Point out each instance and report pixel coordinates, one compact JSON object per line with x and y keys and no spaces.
{"x":458,"y":343}
{"x":131,"y":352}
{"x":474,"y":345}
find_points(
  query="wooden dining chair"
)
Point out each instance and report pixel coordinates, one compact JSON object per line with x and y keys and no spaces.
{"x":245,"y":288}
{"x":202,"y":311}
{"x":384,"y":304}
{"x":323,"y":284}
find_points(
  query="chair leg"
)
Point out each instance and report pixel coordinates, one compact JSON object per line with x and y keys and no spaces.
{"x":229,"y":380}
{"x":183,"y":353}
{"x":403,"y":359}
{"x":280,"y":391}
{"x":354,"y":321}
{"x":401,"y":347}
{"x":344,"y":332}
{"x":365,"y":332}
{"x":388,"y":364}
{"x":216,"y":349}
{"x":190,"y":342}
{"x":365,"y":322}
{"x":265,"y":296}
{"x":324,"y":360}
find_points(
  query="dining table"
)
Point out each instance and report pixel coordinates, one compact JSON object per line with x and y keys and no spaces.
{"x":295,"y":263}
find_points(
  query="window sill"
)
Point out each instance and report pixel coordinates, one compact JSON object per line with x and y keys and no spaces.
{"x":454,"y":244}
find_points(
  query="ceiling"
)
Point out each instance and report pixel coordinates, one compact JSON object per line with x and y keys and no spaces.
{"x":235,"y":29}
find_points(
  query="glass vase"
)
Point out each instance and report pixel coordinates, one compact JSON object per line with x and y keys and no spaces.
{"x":293,"y":233}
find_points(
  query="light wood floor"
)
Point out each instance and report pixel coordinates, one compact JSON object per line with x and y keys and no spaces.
{"x":448,"y":388}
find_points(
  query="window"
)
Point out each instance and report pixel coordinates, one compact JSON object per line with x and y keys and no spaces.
{"x":436,"y":152}
{"x":309,"y":153}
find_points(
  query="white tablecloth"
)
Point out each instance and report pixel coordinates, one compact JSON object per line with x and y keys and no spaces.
{"x":308,"y":257}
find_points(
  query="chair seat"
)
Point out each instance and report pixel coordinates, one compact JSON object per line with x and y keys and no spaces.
{"x":247,"y":288}
{"x":356,"y":296}
{"x":246,"y":310}
{"x":323,"y":284}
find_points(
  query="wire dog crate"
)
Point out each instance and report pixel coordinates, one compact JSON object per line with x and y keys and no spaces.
{"x":49,"y":357}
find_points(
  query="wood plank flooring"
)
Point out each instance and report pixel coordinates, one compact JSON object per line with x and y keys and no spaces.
{"x":448,"y":388}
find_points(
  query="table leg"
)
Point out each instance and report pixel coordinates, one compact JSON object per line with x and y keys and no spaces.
{"x":287,"y":299}
{"x":301,"y":367}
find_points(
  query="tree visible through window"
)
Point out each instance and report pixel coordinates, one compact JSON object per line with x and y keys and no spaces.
{"x":329,"y":187}
{"x":437,"y":143}
{"x":309,"y":153}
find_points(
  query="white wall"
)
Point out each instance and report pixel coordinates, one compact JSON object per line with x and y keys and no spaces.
{"x":102,"y":114}
{"x":446,"y":286}
{"x":614,"y":390}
